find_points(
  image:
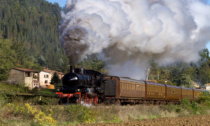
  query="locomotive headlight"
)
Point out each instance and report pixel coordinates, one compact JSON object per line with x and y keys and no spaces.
{"x":74,"y":78}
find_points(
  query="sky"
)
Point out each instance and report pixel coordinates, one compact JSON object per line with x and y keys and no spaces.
{"x":63,"y":2}
{"x":60,"y":2}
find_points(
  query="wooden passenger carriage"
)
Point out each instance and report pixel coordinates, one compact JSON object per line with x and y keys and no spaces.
{"x":130,"y":90}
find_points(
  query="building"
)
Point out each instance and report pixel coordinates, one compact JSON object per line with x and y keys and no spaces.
{"x":27,"y":77}
{"x":207,"y":86}
{"x":46,"y":75}
{"x":60,"y":74}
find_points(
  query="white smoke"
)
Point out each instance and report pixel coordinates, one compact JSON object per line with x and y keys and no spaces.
{"x":128,"y":33}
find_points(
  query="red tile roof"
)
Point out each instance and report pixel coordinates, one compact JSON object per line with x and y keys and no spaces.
{"x":26,"y":70}
{"x":52,"y":71}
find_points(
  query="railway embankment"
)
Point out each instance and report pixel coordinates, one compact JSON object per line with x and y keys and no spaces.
{"x":25,"y":111}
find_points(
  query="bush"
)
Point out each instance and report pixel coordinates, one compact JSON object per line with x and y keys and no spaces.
{"x":204,"y":99}
{"x":185,"y":103}
{"x":170,"y":107}
{"x":195,"y":107}
{"x":78,"y":113}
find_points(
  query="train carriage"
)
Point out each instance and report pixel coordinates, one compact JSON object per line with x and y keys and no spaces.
{"x":187,"y":93}
{"x":155,"y":91}
{"x":124,"y":87}
{"x":173,"y":92}
{"x":196,"y":93}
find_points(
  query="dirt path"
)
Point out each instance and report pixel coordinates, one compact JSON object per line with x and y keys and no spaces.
{"x":197,"y":120}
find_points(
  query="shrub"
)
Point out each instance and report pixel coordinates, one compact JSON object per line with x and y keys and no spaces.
{"x":78,"y":113}
{"x":204,"y":99}
{"x":185,"y":103}
{"x":195,"y":107}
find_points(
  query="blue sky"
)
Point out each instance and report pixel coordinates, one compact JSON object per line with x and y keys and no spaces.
{"x":60,"y":2}
{"x":63,"y":2}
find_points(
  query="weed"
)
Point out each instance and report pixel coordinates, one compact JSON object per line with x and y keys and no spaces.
{"x":195,"y":107}
{"x":185,"y":103}
{"x":153,"y":117}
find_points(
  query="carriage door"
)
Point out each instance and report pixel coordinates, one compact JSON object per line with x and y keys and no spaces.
{"x":110,"y":88}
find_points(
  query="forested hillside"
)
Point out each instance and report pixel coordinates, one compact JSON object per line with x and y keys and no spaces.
{"x":32,"y":26}
{"x":34,"y":23}
{"x":29,"y":37}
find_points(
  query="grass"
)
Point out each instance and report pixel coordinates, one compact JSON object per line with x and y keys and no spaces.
{"x":46,"y":111}
{"x":12,"y":89}
{"x":22,"y":113}
{"x":46,"y":91}
{"x":15,"y":89}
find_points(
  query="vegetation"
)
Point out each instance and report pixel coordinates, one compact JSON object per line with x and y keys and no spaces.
{"x":24,"y":112}
{"x":14,"y":89}
{"x":46,"y":91}
{"x":183,"y":74}
{"x":29,"y":36}
{"x":55,"y":80}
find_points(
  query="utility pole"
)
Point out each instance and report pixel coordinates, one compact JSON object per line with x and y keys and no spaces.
{"x":148,"y":72}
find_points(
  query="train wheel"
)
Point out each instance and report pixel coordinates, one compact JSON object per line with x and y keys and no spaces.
{"x":60,"y":102}
{"x":145,"y":102}
{"x":95,"y":101}
{"x":78,"y":101}
{"x":91,"y":101}
{"x":86,"y":100}
{"x":164,"y":102}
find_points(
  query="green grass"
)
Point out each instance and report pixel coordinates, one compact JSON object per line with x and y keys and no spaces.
{"x":12,"y":89}
{"x":15,"y":89}
{"x":46,"y":91}
{"x":23,"y":110}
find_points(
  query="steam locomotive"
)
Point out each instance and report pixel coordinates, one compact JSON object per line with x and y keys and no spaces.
{"x":92,"y":87}
{"x":81,"y":85}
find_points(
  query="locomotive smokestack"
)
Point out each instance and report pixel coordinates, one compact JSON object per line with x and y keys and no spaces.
{"x":72,"y":68}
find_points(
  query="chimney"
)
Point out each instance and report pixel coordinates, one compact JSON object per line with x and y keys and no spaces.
{"x":72,"y":68}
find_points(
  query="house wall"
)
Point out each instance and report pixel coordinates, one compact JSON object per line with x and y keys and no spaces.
{"x":28,"y":82}
{"x":207,"y":87}
{"x":16,"y":77}
{"x":42,"y":79}
{"x":19,"y":77}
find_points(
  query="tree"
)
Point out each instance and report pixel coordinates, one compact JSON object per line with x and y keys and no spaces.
{"x":55,"y":79}
{"x":34,"y":24}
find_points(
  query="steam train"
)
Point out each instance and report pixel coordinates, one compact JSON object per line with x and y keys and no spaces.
{"x":93,"y":87}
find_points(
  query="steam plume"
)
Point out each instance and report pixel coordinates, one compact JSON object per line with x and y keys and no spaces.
{"x":128,"y":33}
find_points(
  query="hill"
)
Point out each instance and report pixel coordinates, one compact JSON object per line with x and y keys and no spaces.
{"x":34,"y":23}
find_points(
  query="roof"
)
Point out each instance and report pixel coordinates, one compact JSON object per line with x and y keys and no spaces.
{"x":52,"y":71}
{"x":26,"y":70}
{"x":187,"y":88}
{"x":172,"y":86}
{"x":149,"y":82}
{"x":207,"y":84}
{"x":132,"y":80}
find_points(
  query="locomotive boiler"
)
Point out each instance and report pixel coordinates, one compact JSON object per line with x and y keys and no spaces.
{"x":81,"y":85}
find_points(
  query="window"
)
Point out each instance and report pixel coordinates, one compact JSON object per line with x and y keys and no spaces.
{"x":46,"y":81}
{"x":27,"y":74}
{"x":46,"y":76}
